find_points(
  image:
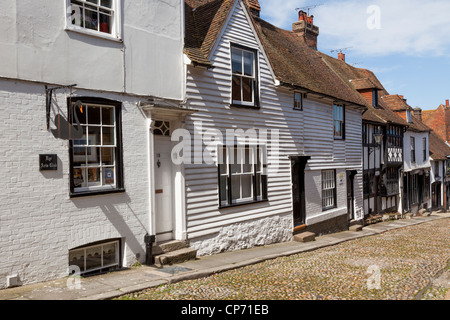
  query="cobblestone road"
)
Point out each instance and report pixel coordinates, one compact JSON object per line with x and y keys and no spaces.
{"x":404,"y":264}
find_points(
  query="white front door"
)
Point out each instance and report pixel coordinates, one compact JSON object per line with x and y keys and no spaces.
{"x":164,"y":217}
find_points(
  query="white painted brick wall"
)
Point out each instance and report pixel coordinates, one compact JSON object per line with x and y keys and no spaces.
{"x":39,"y":222}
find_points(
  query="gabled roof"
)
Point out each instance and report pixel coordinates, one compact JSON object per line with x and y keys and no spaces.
{"x":294,"y":63}
{"x":358,"y":79}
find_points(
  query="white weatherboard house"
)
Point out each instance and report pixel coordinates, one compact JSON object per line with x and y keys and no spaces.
{"x":75,"y":143}
{"x":264,"y":96}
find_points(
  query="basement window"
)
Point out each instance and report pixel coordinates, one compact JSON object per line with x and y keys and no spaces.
{"x":95,"y":257}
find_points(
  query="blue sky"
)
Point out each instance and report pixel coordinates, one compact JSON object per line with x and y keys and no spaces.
{"x":405,"y":42}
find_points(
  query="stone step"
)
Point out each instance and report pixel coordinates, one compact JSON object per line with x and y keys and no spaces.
{"x":304,"y":237}
{"x":356,"y":227}
{"x":169,"y":246}
{"x":177,"y":256}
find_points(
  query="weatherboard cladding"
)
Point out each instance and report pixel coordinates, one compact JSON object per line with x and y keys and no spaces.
{"x":307,"y":132}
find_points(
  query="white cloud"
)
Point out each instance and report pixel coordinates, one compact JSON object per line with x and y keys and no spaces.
{"x":412,"y":27}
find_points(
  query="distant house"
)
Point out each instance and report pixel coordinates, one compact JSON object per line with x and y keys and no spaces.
{"x":382,"y":134}
{"x":417,"y":166}
{"x":249,"y":77}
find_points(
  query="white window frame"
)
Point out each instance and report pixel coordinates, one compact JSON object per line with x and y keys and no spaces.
{"x":328,"y":189}
{"x":253,"y":77}
{"x":340,"y":120}
{"x":116,"y":30}
{"x":258,"y":169}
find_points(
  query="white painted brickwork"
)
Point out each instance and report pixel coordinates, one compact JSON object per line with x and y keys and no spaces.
{"x":39,"y":223}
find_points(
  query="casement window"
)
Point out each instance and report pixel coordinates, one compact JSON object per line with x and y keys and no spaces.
{"x":96,"y":158}
{"x":424,"y":144}
{"x":369,"y":183}
{"x":339,"y":121}
{"x":244,"y":76}
{"x":95,"y":17}
{"x":413,"y":149}
{"x":95,"y":257}
{"x":242,"y":174}
{"x":391,"y":183}
{"x":298,"y":100}
{"x":328,"y":189}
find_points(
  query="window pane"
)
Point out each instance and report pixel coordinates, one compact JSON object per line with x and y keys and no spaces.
{"x":224,"y":189}
{"x":94,"y":115}
{"x":247,"y":89}
{"x":91,"y":19}
{"x":236,"y":89}
{"x":248,"y":160}
{"x":79,"y":156}
{"x":107,"y":156}
{"x":108,"y":136}
{"x":93,"y":258}
{"x":107,"y":116}
{"x":258,"y":185}
{"x":79,"y":114}
{"x":235,"y":188}
{"x":108,"y":176}
{"x":236,"y":60}
{"x":94,"y":177}
{"x":105,"y":23}
{"x":94,"y":136}
{"x":76,"y":13}
{"x":106,"y":3}
{"x":76,"y":258}
{"x":79,"y":179}
{"x":247,"y":186}
{"x":248,"y":63}
{"x":109,"y":254}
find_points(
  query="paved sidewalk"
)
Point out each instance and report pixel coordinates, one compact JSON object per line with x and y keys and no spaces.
{"x":111,"y":285}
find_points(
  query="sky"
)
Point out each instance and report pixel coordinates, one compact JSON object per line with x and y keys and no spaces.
{"x":406,"y":43}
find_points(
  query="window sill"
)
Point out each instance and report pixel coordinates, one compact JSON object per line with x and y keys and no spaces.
{"x":95,"y":193}
{"x":245,"y":106}
{"x":96,"y":34}
{"x":241,"y":204}
{"x":328,"y":209}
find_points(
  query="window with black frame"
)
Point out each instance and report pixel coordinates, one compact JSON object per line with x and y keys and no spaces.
{"x":242,"y":174}
{"x":96,"y":158}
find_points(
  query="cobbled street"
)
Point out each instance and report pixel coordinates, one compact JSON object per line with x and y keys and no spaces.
{"x":404,"y":264}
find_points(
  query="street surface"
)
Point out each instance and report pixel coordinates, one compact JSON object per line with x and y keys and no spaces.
{"x":403,"y":264}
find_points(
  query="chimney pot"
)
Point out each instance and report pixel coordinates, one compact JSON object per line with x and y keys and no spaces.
{"x":341,"y":56}
{"x":447,"y":103}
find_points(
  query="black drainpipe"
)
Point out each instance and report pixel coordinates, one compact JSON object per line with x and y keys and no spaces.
{"x":149,"y":241}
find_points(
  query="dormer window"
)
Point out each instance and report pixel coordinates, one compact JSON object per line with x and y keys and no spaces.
{"x":375,"y":98}
{"x":408,"y":116}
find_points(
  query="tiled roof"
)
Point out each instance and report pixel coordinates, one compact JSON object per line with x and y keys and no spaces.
{"x":439,"y":150}
{"x":204,"y":21}
{"x":399,"y":105}
{"x":294,"y":63}
{"x":365,"y":79}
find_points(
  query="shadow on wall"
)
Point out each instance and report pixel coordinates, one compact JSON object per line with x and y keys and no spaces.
{"x":109,"y":205}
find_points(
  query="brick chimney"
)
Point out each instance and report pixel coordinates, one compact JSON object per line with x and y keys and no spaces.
{"x":447,"y":103}
{"x":341,"y":56}
{"x":254,"y":7}
{"x":418,"y":113}
{"x":305,"y":28}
